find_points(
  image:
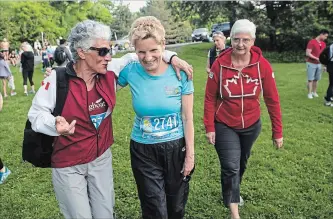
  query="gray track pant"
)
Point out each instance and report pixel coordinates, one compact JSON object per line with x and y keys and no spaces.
{"x":86,"y":190}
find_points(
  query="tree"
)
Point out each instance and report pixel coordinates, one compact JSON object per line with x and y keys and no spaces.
{"x":281,"y":25}
{"x":176,"y":31}
{"x":26,"y":20}
{"x":122,"y":20}
{"x":199,"y":13}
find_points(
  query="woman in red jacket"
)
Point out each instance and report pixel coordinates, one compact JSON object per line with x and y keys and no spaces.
{"x":232,"y":107}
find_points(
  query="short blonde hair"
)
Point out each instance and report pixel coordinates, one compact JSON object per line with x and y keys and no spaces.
{"x":243,"y":26}
{"x":147,"y":27}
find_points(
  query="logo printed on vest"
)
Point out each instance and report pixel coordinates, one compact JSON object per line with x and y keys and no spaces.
{"x":100,"y":103}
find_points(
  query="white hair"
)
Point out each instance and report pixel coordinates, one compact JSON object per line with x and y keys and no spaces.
{"x":26,"y":46}
{"x":243,"y":26}
{"x":84,"y":35}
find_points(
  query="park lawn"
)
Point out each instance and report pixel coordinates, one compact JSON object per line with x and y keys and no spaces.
{"x":295,"y":182}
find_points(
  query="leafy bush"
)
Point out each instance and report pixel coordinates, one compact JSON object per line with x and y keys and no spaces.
{"x":285,"y":57}
{"x":273,"y":57}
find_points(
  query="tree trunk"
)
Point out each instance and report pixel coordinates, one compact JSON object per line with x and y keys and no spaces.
{"x":271,"y":14}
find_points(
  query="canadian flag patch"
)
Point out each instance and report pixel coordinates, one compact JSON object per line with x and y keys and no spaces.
{"x":46,"y":85}
{"x":211,"y":75}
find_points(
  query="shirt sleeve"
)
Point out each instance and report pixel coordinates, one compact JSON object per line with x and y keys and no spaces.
{"x":23,"y":58}
{"x":167,"y":55}
{"x":310,"y":45}
{"x":187,"y":85}
{"x":123,"y":75}
{"x":118,"y":64}
{"x":8,"y":69}
{"x":43,"y":104}
{"x":211,"y":97}
{"x":272,"y":100}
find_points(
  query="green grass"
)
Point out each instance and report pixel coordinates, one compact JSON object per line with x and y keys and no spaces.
{"x":295,"y":182}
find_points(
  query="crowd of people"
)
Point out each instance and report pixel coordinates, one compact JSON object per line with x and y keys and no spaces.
{"x":162,"y":139}
{"x":25,"y":58}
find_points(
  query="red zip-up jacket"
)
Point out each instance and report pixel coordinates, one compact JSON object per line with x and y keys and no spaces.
{"x":87,"y":143}
{"x":232,"y":96}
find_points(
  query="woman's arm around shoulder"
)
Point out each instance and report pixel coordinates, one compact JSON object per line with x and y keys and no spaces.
{"x":43,"y":104}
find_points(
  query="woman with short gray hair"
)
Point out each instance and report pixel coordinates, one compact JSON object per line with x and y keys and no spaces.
{"x":81,"y":161}
{"x":214,"y":52}
{"x":232,"y":108}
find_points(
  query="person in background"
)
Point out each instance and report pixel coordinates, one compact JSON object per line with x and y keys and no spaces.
{"x":214,"y":52}
{"x":27,"y":61}
{"x":326,"y":58}
{"x":50,"y":54}
{"x":6,"y":75}
{"x":37,"y":48}
{"x":4,"y":47}
{"x":13,"y":58}
{"x":62,"y":55}
{"x":313,"y":66}
{"x":232,"y":108}
{"x":45,"y":58}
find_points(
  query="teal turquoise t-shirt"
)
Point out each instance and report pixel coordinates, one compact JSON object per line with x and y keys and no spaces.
{"x":157,"y":103}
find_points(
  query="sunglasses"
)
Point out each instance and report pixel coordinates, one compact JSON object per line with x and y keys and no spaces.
{"x":103,"y":51}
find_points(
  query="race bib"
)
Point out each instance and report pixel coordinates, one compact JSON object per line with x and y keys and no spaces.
{"x":97,"y":119}
{"x":157,"y":127}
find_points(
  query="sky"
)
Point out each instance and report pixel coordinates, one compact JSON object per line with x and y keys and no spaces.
{"x":134,"y":5}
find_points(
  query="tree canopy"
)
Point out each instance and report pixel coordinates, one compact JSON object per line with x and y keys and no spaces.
{"x":281,"y":25}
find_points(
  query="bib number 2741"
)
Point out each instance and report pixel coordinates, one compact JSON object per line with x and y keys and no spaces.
{"x":160,"y":126}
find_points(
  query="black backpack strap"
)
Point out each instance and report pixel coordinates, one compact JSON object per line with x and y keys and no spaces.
{"x":62,"y":90}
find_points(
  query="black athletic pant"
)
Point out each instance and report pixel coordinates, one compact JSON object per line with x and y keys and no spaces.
{"x":1,"y":164}
{"x":233,"y":147}
{"x":46,"y":63}
{"x":51,"y":61}
{"x":329,"y":92}
{"x":156,"y":167}
{"x":28,"y":74}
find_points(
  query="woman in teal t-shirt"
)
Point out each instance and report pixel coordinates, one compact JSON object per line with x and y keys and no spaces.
{"x":162,"y":139}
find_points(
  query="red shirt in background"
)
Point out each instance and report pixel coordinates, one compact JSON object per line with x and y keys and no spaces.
{"x":317,"y":48}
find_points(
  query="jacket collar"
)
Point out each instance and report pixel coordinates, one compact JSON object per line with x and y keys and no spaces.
{"x":70,"y":69}
{"x":224,"y":58}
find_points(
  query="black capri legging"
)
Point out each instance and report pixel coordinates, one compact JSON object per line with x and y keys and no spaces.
{"x":1,"y":164}
{"x":27,"y":74}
